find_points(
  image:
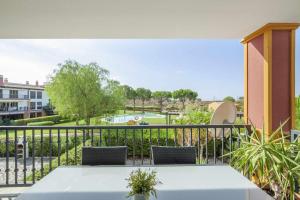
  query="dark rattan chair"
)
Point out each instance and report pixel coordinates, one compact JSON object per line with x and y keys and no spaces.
{"x":104,"y":155}
{"x":163,"y":155}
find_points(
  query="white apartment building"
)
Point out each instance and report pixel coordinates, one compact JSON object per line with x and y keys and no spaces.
{"x":19,"y":101}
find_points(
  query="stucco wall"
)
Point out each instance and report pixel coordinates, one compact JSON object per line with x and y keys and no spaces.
{"x":255,"y":81}
{"x":280,"y":77}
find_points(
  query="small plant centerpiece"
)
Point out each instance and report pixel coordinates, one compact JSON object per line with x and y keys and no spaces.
{"x":142,"y":184}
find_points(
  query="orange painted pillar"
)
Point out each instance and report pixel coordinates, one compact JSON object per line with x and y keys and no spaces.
{"x":269,"y":70}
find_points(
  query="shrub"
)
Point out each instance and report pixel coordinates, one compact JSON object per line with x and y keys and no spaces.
{"x":42,"y":149}
{"x":73,"y":159}
{"x":53,"y":118}
{"x":44,"y":123}
{"x":272,"y":161}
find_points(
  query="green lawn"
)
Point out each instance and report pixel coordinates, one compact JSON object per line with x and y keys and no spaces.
{"x":94,"y":121}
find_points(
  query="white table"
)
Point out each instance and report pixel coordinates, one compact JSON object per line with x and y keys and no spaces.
{"x":178,"y":182}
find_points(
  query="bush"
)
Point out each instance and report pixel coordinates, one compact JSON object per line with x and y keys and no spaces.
{"x":42,"y":149}
{"x":136,"y":146}
{"x":6,"y":122}
{"x":146,"y":108}
{"x":73,"y":159}
{"x":53,"y":118}
{"x":44,"y":123}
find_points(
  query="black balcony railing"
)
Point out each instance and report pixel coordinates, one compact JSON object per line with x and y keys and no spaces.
{"x":13,"y":109}
{"x":14,"y":96}
{"x":29,"y":153}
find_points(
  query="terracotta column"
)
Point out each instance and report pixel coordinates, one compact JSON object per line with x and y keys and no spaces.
{"x":269,"y":61}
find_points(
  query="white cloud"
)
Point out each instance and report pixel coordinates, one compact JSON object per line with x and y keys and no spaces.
{"x":22,"y":70}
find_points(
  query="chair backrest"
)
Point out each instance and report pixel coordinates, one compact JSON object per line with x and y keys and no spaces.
{"x":163,"y":155}
{"x":104,"y":155}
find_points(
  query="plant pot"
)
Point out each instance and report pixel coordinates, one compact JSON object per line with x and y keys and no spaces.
{"x":140,"y":197}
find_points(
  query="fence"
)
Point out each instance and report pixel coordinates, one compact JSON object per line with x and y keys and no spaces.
{"x":29,"y":153}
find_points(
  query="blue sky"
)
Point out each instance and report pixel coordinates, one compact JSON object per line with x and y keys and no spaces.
{"x":213,"y":68}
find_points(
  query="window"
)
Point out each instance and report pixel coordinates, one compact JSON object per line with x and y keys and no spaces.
{"x":32,"y":105}
{"x":13,"y":94}
{"x":39,"y":114}
{"x":38,"y":105}
{"x":32,"y":115}
{"x":1,"y":94}
{"x":32,"y":94}
{"x":39,"y":95}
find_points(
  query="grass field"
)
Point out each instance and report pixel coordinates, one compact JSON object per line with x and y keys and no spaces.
{"x":94,"y":121}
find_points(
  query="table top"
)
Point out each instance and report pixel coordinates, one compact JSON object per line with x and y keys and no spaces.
{"x":178,"y":182}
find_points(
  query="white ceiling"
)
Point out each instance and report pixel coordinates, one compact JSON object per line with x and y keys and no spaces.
{"x":141,"y":18}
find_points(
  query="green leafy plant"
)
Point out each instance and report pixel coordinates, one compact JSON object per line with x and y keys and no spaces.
{"x":142,"y":182}
{"x":298,"y":112}
{"x":272,"y":162}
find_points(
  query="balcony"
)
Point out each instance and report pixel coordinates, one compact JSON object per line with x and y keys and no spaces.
{"x":32,"y":152}
{"x":12,"y":110}
{"x":8,"y":97}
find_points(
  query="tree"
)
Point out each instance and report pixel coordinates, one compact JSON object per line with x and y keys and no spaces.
{"x":183,"y":95}
{"x":83,"y":91}
{"x":144,"y":95}
{"x":240,"y":103}
{"x":114,"y":98}
{"x":229,"y":98}
{"x":130,"y":94}
{"x":161,"y":96}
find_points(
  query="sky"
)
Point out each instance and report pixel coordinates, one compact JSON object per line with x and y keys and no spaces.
{"x":213,"y":68}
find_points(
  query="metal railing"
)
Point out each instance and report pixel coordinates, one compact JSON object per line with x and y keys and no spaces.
{"x":29,"y":153}
{"x":295,"y":134}
{"x":13,"y":109}
{"x":14,"y":96}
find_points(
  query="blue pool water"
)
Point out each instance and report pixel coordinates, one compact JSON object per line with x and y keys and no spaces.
{"x":127,"y":117}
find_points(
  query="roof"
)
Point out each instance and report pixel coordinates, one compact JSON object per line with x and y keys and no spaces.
{"x":21,"y":86}
{"x":142,"y":19}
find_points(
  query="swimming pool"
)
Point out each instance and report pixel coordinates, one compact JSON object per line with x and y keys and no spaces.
{"x":127,"y":117}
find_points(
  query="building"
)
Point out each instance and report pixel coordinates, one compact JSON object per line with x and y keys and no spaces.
{"x":19,"y":100}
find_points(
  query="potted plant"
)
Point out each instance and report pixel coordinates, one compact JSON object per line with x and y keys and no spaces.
{"x":142,"y":184}
{"x":273,"y":163}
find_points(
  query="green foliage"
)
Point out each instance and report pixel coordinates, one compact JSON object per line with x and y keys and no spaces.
{"x":114,"y":98}
{"x":44,"y":123}
{"x":273,"y":161}
{"x":130,"y":94}
{"x":52,"y":118}
{"x":162,"y":96}
{"x":146,"y":108}
{"x":144,"y":95}
{"x":297,"y":112}
{"x":73,"y":159}
{"x":83,"y":91}
{"x":240,"y":104}
{"x":183,"y":95}
{"x":229,"y":98}
{"x":194,"y":115}
{"x":42,"y":148}
{"x":6,"y":122}
{"x":142,"y":182}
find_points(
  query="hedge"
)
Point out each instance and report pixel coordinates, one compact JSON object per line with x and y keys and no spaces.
{"x":72,"y":160}
{"x":111,"y":140}
{"x":146,"y":108}
{"x":22,"y":122}
{"x":42,"y":149}
{"x":44,"y":123}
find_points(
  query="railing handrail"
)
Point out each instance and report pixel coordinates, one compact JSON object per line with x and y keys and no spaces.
{"x":128,"y":126}
{"x":51,"y":146}
{"x":294,"y":135}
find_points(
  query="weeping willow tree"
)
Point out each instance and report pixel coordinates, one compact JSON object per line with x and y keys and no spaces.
{"x":80,"y":91}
